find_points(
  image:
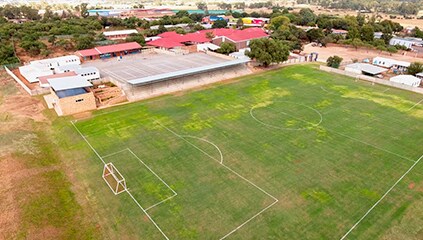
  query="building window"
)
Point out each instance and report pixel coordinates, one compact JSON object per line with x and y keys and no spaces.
{"x":79,"y":100}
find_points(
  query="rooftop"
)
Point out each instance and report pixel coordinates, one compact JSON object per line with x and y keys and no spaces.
{"x":65,"y":83}
{"x":368,"y":68}
{"x":44,"y":79}
{"x":120,"y":32}
{"x":109,"y":49}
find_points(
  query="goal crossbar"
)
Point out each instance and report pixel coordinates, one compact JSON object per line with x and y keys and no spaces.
{"x":114,"y":178}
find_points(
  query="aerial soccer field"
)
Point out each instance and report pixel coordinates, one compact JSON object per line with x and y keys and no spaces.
{"x":294,"y":153}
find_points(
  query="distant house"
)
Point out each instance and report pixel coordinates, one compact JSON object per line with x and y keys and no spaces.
{"x":109,"y":51}
{"x":70,"y":95}
{"x":365,"y":68}
{"x":377,"y":35}
{"x":241,"y":38}
{"x":339,"y":32}
{"x":401,"y":41}
{"x":391,"y":63}
{"x":407,"y":80}
{"x":119,"y":34}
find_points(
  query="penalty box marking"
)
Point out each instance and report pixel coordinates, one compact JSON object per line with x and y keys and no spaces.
{"x":231,"y":170}
{"x":151,"y":170}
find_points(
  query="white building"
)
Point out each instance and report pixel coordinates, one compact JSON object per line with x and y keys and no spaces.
{"x":409,"y":80}
{"x":420,"y":75}
{"x":390,"y":63}
{"x":66,"y":68}
{"x":364,"y":68}
{"x":401,"y":41}
{"x":88,"y":73}
{"x":31,"y":72}
{"x":52,"y":63}
{"x":119,"y":34}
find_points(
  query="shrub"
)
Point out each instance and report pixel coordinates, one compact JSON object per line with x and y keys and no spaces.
{"x":334,"y":61}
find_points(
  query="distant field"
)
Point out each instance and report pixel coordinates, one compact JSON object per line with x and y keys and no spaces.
{"x":294,"y":153}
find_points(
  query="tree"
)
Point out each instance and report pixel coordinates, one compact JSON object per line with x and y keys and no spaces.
{"x":65,"y":44}
{"x":136,"y":37}
{"x":84,"y":42}
{"x":7,"y":54}
{"x":414,"y":68}
{"x":210,"y":35}
{"x":307,"y":16}
{"x":52,"y":39}
{"x":226,"y":48}
{"x":182,"y":13}
{"x":267,"y":51}
{"x":353,"y":33}
{"x":202,"y":6}
{"x":315,"y":35}
{"x":83,"y":10}
{"x":277,"y":22}
{"x":334,"y":61}
{"x":367,"y":33}
{"x":219,"y":24}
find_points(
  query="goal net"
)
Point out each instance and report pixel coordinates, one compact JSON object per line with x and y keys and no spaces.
{"x":114,"y":178}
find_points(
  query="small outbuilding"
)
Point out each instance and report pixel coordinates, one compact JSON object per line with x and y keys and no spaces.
{"x":409,"y":80}
{"x":391,"y":63}
{"x":365,"y":68}
{"x":70,"y":95}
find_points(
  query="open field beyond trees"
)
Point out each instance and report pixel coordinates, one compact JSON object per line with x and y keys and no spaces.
{"x":294,"y":153}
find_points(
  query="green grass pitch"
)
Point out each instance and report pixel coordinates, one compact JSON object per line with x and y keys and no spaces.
{"x":294,"y":153}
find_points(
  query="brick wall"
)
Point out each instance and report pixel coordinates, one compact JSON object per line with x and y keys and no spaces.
{"x":74,"y":104}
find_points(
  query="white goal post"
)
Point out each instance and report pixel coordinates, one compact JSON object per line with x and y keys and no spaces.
{"x":114,"y":178}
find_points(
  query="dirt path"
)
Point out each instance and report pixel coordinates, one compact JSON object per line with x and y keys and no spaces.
{"x":351,"y":53}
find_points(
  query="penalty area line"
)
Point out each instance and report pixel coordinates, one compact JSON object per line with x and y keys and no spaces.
{"x":383,"y":196}
{"x":231,"y":170}
{"x":415,"y":105}
{"x":136,"y":202}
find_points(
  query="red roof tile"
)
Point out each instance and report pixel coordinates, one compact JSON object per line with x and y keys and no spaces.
{"x":195,"y":38}
{"x":247,"y":34}
{"x":44,"y":79}
{"x":118,"y":47}
{"x":88,"y":52}
{"x":165,"y":43}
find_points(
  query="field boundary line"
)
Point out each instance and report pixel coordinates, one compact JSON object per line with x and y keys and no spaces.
{"x":151,"y":170}
{"x":155,"y":174}
{"x":371,"y":145}
{"x":136,"y":202}
{"x":383,"y":196}
{"x":415,"y":105}
{"x":233,"y":171}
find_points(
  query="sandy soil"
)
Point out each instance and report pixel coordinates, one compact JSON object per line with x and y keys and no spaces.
{"x":16,"y":109}
{"x":351,"y":53}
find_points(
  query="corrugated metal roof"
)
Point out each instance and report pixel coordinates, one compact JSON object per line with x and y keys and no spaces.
{"x":368,"y":68}
{"x":44,"y":79}
{"x":185,"y":72}
{"x":86,"y":70}
{"x":405,"y":79}
{"x":65,"y":83}
{"x":118,"y":47}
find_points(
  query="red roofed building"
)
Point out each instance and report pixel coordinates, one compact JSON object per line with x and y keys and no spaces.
{"x":166,"y":43}
{"x":109,"y":51}
{"x":241,"y":38}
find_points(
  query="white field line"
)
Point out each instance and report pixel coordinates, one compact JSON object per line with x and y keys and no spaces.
{"x":138,"y":204}
{"x":415,"y":105}
{"x":371,"y":145}
{"x":149,"y":217}
{"x":151,"y":170}
{"x":383,"y":196}
{"x":89,"y":144}
{"x":329,"y":92}
{"x":233,"y":171}
{"x":357,"y":140}
{"x":288,"y":129}
{"x":384,"y":91}
{"x":155,"y":174}
{"x":207,"y":141}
